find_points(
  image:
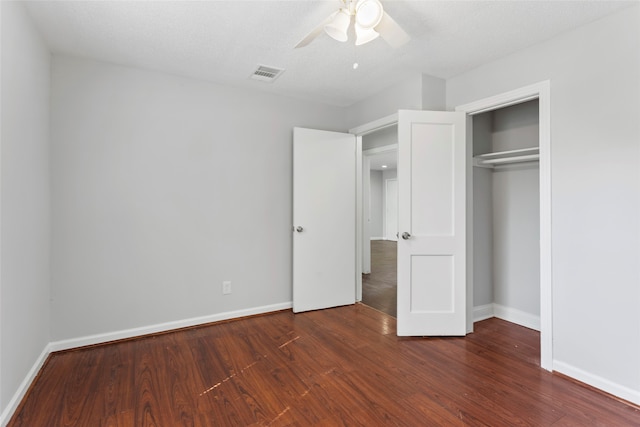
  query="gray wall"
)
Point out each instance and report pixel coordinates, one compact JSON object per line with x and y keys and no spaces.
{"x":406,"y":95}
{"x":376,"y":195}
{"x":422,"y":92}
{"x":380,"y":138}
{"x":163,"y":187}
{"x":378,"y":200}
{"x":386,"y":174}
{"x":516,"y":212}
{"x":24,"y":215}
{"x":595,"y":190}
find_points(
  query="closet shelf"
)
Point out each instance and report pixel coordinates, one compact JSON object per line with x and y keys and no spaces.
{"x":501,"y":158}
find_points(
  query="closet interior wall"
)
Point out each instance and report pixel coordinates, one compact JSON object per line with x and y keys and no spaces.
{"x":506,"y":229}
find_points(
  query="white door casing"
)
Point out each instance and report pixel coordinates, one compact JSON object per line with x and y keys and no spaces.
{"x":541,"y":91}
{"x":324,"y":212}
{"x":432,"y":211}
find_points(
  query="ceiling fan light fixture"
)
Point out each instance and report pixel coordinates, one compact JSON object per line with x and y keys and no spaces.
{"x":365,"y":35}
{"x":369,"y":13}
{"x":338,"y":27}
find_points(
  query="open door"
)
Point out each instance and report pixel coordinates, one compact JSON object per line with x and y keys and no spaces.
{"x":324,"y":219}
{"x":432,"y":223}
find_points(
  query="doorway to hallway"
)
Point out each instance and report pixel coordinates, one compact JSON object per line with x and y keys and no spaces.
{"x":379,"y":288}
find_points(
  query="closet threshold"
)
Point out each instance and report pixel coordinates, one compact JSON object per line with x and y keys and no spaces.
{"x":500,"y":158}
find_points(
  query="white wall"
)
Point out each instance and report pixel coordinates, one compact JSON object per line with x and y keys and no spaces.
{"x":376,"y":189}
{"x":387,"y":174}
{"x":434,"y":95}
{"x":406,"y":95}
{"x":24,"y":199}
{"x":390,"y":174}
{"x":163,"y":187}
{"x":595,"y":172}
{"x":422,"y":92}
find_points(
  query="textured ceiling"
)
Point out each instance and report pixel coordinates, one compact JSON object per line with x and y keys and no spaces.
{"x":224,"y":41}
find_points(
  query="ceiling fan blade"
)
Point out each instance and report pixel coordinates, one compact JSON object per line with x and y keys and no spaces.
{"x":315,"y":32}
{"x":391,"y":32}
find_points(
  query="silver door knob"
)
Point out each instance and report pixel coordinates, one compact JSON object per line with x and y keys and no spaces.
{"x":299,"y":229}
{"x":406,"y":236}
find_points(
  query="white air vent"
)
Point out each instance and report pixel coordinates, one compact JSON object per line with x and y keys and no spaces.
{"x":266,"y":74}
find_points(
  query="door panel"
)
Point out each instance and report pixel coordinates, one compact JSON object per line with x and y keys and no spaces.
{"x":432,"y":199}
{"x":438,"y":269}
{"x":324,"y":206}
{"x":432,"y":213}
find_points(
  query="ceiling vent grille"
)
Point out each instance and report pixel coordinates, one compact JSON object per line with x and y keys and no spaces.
{"x":266,"y":74}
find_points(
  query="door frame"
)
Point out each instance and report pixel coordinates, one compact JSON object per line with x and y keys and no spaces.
{"x":542,"y":92}
{"x":366,"y":187}
{"x":359,"y":132}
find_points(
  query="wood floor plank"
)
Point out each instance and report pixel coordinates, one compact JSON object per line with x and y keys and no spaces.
{"x":110,"y":404}
{"x":342,"y":366}
{"x":379,"y":288}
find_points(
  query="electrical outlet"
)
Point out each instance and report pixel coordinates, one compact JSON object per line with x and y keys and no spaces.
{"x":226,"y":287}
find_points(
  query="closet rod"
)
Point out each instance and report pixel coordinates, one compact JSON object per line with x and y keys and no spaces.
{"x":508,"y":153}
{"x":514,"y":159}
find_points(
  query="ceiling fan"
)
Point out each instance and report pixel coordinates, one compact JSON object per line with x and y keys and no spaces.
{"x":370,"y":21}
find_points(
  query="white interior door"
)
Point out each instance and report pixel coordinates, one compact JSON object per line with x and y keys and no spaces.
{"x":324,"y":219}
{"x":391,"y":209}
{"x":432,"y":223}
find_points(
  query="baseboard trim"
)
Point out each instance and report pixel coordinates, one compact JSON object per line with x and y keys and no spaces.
{"x":487,"y":311}
{"x":482,"y":312}
{"x":24,"y":386}
{"x":163,"y":327}
{"x":600,"y":383}
{"x":516,"y":316}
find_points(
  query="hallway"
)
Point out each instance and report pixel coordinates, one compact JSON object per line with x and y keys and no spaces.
{"x":379,"y":288}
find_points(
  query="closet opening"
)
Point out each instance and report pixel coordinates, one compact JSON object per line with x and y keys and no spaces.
{"x":506,"y":214}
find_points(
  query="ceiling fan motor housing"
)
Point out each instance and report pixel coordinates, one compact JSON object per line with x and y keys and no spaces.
{"x":368,"y":13}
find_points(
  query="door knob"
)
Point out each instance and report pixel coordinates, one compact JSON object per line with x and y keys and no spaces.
{"x":299,"y":229}
{"x":406,"y":236}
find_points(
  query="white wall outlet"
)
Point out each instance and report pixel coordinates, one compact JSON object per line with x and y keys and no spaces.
{"x":226,"y":287}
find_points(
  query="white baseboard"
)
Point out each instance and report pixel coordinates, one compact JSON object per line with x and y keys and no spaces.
{"x":615,"y":389}
{"x":24,"y":386}
{"x":163,"y":327}
{"x":482,"y":312}
{"x":516,"y":316}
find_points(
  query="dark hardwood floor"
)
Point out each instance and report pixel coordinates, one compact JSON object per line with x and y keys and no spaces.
{"x":336,"y":367}
{"x":379,"y":288}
